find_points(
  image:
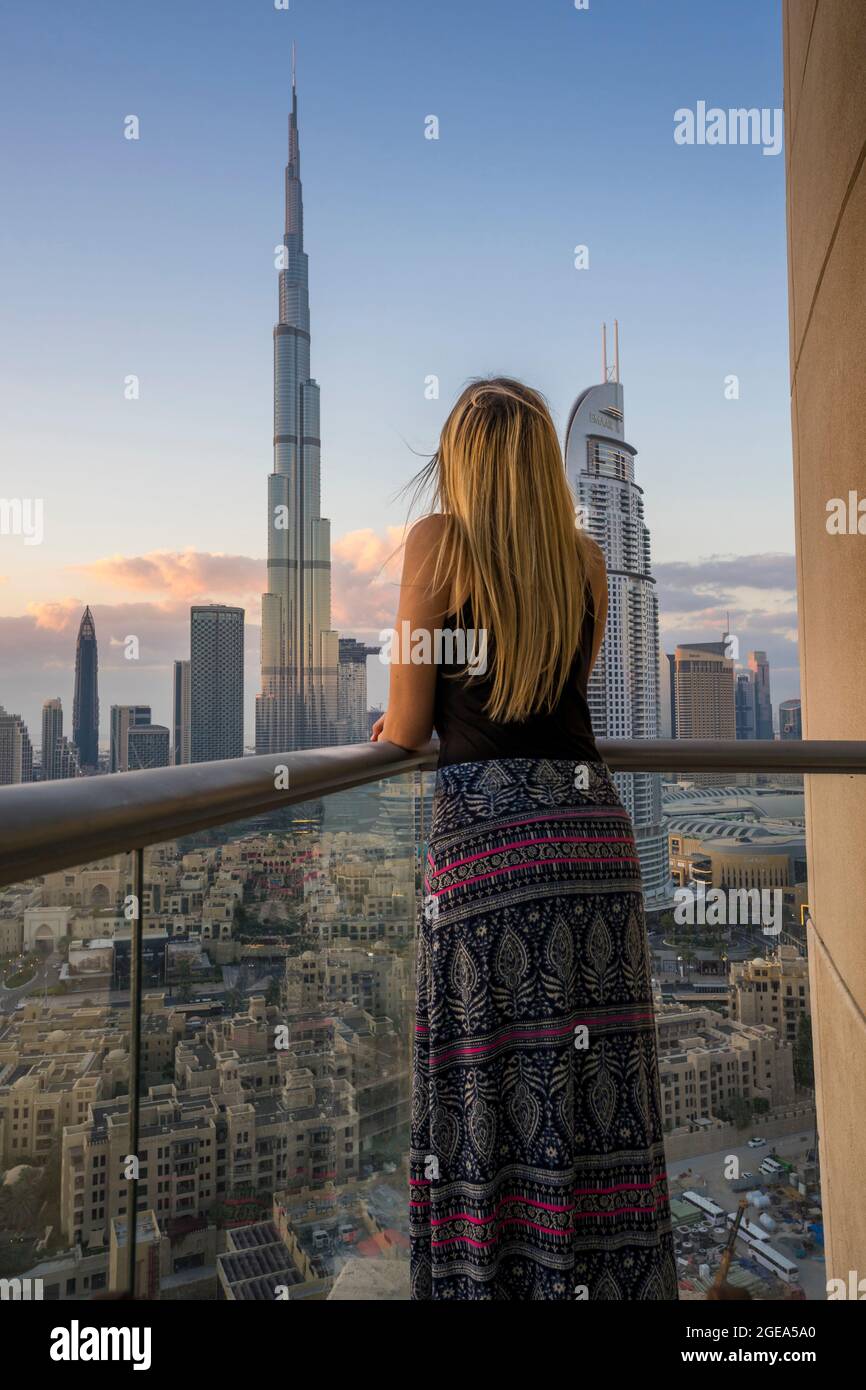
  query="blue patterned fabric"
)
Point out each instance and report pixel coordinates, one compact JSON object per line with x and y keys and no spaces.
{"x":537,"y":1168}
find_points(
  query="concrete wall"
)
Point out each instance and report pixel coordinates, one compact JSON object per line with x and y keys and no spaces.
{"x":825,"y":119}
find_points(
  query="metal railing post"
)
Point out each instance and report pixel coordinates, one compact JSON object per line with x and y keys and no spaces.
{"x":135,"y":972}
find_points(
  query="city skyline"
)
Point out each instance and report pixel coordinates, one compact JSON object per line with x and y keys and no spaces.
{"x":148,"y":552}
{"x":322,"y":1025}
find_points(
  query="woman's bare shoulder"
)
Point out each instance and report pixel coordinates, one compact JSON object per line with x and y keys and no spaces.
{"x":422,"y":542}
{"x":427,"y":530}
{"x":593,"y":555}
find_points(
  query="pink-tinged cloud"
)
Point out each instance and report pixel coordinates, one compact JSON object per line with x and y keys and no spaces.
{"x":189,"y":575}
{"x":365,"y":577}
{"x":366,"y":552}
{"x":58,"y":616}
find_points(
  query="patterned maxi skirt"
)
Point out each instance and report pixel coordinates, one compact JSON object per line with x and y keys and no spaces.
{"x":537,"y":1169}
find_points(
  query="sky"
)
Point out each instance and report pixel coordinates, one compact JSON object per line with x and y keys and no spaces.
{"x":453,"y":258}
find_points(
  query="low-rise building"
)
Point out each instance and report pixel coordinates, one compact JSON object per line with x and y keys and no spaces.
{"x":772,"y":990}
{"x":708,"y":1063}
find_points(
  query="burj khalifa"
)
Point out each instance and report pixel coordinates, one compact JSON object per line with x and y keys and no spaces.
{"x":298,"y":703}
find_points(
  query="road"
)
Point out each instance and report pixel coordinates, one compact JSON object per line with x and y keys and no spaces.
{"x":710,"y":1167}
{"x":47,"y":974}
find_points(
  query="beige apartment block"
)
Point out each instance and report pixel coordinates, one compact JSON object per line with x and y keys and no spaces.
{"x":173,"y":1259}
{"x":825,"y":142}
{"x":773,"y":990}
{"x":11,"y":935}
{"x":55,"y":1063}
{"x":200,"y":1146}
{"x":41,"y":1094}
{"x":376,"y":980}
{"x":707,"y":1062}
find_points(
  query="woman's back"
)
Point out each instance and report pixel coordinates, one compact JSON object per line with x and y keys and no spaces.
{"x":468,"y":734}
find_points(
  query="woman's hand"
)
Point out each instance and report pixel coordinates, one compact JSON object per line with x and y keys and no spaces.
{"x":376,"y":731}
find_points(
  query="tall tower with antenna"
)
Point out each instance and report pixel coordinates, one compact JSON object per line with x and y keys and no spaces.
{"x":624,"y":696}
{"x":298,"y":703}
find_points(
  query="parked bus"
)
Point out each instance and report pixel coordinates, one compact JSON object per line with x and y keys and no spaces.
{"x":756,"y":1232}
{"x":786,"y":1270}
{"x":711,"y":1210}
{"x":764,"y":1254}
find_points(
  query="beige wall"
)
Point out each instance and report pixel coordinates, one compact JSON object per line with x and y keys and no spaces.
{"x":825,"y":119}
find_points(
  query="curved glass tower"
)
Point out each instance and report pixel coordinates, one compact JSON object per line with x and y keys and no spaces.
{"x":298,"y":703}
{"x":624,"y":685}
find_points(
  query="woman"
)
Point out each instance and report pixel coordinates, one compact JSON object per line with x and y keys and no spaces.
{"x":536,"y":1166}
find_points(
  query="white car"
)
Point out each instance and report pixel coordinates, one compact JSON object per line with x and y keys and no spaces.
{"x":757,"y":1143}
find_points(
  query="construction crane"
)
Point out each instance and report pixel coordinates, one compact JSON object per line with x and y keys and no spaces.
{"x":720,"y":1289}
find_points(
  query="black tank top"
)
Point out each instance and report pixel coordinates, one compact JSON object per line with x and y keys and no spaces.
{"x":467,"y":734}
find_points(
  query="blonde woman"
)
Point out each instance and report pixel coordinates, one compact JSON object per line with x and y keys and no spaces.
{"x":537,"y":1168}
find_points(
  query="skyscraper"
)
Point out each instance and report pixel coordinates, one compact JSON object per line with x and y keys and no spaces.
{"x":216,"y":682}
{"x":85,"y":706}
{"x":760,"y":669}
{"x":790,"y":719}
{"x":352,"y":704}
{"x":122,"y":719}
{"x":754,"y":710}
{"x":52,"y":733}
{"x":16,"y":750}
{"x":745,"y":705}
{"x":298,"y":703}
{"x":59,"y":756}
{"x":703,"y":698}
{"x":180,"y":713}
{"x":624,"y":686}
{"x":703,"y":684}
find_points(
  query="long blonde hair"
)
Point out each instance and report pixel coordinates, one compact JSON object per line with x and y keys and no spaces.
{"x":510,"y":544}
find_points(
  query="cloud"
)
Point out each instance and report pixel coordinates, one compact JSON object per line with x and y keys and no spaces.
{"x":726,"y":580}
{"x":190,"y":575}
{"x":752,"y":596}
{"x":56,"y":617}
{"x":366,"y":552}
{"x":365,"y":578}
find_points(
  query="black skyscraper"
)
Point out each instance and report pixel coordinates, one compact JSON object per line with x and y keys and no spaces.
{"x":85,"y":708}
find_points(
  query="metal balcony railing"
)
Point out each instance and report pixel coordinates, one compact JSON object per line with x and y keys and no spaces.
{"x":62,"y":824}
{"x":55,"y":825}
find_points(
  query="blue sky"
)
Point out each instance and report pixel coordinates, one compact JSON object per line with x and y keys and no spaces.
{"x":449,"y":257}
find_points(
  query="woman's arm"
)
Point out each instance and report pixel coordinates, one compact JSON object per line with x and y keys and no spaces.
{"x":408,"y":720}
